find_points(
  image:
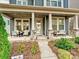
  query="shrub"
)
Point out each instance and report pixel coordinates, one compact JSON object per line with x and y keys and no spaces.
{"x":34,"y":48}
{"x":64,"y":43}
{"x":63,"y":54}
{"x":77,"y":40}
{"x":21,"y":47}
{"x":4,"y":43}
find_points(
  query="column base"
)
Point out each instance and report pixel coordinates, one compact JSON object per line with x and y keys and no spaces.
{"x":50,"y":33}
{"x":76,"y":31}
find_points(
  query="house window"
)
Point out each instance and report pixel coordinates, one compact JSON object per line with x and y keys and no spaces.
{"x":22,"y":2}
{"x":38,"y":2}
{"x":61,"y":24}
{"x":56,"y":3}
{"x":19,"y":2}
{"x":58,"y":23}
{"x":53,"y":3}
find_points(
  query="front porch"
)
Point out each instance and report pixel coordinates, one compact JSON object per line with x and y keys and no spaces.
{"x":40,"y":21}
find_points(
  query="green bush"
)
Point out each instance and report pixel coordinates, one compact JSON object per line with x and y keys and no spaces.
{"x":63,"y":54}
{"x":4,"y":43}
{"x":65,"y":43}
{"x":34,"y":48}
{"x":77,"y":40}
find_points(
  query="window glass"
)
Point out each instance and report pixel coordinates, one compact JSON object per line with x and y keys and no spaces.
{"x":24,"y":3}
{"x":58,"y":22}
{"x":57,"y":3}
{"x":61,"y":24}
{"x":53,"y":3}
{"x":19,"y":2}
{"x":54,"y":23}
{"x":39,"y":2}
{"x":48,"y":3}
{"x":30,"y":2}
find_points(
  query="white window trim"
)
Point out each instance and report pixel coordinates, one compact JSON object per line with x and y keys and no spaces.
{"x":58,"y":23}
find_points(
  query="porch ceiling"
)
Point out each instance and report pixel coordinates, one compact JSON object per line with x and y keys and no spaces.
{"x":25,"y":11}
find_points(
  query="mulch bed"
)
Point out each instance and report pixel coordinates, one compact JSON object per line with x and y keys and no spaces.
{"x":27,"y":51}
{"x":53,"y":48}
{"x":74,"y":52}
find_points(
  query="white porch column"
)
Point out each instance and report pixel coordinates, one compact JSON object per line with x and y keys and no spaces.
{"x":50,"y":24}
{"x":44,"y":2}
{"x":76,"y":21}
{"x":33,"y":22}
{"x":76,"y":25}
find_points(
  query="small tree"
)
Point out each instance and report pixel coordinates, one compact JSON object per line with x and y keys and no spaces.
{"x":4,"y":43}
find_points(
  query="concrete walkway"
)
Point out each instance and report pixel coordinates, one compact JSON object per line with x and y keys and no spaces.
{"x":46,"y":52}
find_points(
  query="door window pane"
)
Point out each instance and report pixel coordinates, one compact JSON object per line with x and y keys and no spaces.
{"x":18,"y":25}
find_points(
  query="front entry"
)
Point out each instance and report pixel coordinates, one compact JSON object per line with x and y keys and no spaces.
{"x":39,"y":26}
{"x":22,"y":25}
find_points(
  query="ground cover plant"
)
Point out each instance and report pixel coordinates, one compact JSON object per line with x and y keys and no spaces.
{"x":65,"y":44}
{"x":77,"y":40}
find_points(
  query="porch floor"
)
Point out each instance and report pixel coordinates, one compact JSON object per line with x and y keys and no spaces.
{"x":28,"y":38}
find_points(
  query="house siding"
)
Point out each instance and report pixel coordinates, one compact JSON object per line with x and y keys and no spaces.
{"x":74,"y":4}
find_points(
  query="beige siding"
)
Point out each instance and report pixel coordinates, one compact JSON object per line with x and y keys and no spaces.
{"x":74,"y":3}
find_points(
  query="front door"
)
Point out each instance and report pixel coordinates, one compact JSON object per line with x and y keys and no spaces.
{"x":39,"y":26}
{"x":22,"y":25}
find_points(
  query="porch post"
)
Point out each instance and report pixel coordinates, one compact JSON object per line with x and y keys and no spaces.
{"x":50,"y":25}
{"x":76,"y":25}
{"x":76,"y":21}
{"x":33,"y":23}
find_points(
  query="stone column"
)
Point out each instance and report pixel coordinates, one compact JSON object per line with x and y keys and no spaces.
{"x":33,"y":23}
{"x":50,"y":25}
